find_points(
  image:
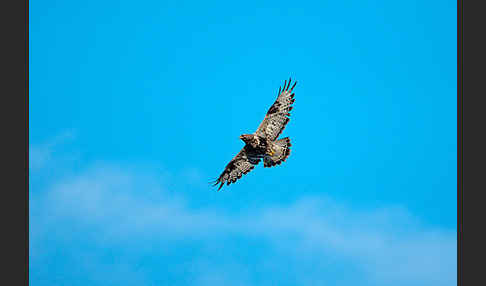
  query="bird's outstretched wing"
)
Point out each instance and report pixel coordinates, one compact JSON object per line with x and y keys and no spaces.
{"x":278,"y":115}
{"x":241,"y":164}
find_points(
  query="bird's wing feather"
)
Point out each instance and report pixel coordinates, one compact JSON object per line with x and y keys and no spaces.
{"x":278,"y":115}
{"x":241,"y":164}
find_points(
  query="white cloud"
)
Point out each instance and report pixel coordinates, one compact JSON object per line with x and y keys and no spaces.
{"x":125,"y":206}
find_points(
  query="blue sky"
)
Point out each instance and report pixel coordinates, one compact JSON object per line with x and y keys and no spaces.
{"x":136,"y":106}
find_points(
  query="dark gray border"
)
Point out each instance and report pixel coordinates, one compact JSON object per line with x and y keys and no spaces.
{"x":14,"y":41}
{"x":471,"y":142}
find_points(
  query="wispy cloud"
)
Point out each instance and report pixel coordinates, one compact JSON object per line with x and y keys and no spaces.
{"x":40,"y":154}
{"x":116,"y":206}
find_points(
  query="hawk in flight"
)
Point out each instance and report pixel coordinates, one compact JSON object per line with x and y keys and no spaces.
{"x":263,"y":144}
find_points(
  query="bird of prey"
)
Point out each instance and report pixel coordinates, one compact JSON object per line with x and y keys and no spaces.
{"x":263,"y":144}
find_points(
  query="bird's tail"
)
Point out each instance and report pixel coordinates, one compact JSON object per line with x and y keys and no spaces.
{"x":281,"y":150}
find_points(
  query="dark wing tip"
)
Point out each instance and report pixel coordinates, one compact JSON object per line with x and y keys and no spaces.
{"x":216,"y":182}
{"x":220,"y":186}
{"x":287,"y":85}
{"x":295,"y":83}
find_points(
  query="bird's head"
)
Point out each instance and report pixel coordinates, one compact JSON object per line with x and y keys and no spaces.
{"x":247,"y":138}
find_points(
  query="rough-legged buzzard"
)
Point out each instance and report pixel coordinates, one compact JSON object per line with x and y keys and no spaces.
{"x":263,"y":144}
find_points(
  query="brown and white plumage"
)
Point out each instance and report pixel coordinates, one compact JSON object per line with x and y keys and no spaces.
{"x":263,"y":144}
{"x":278,"y":114}
{"x":241,"y":164}
{"x":282,"y":152}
